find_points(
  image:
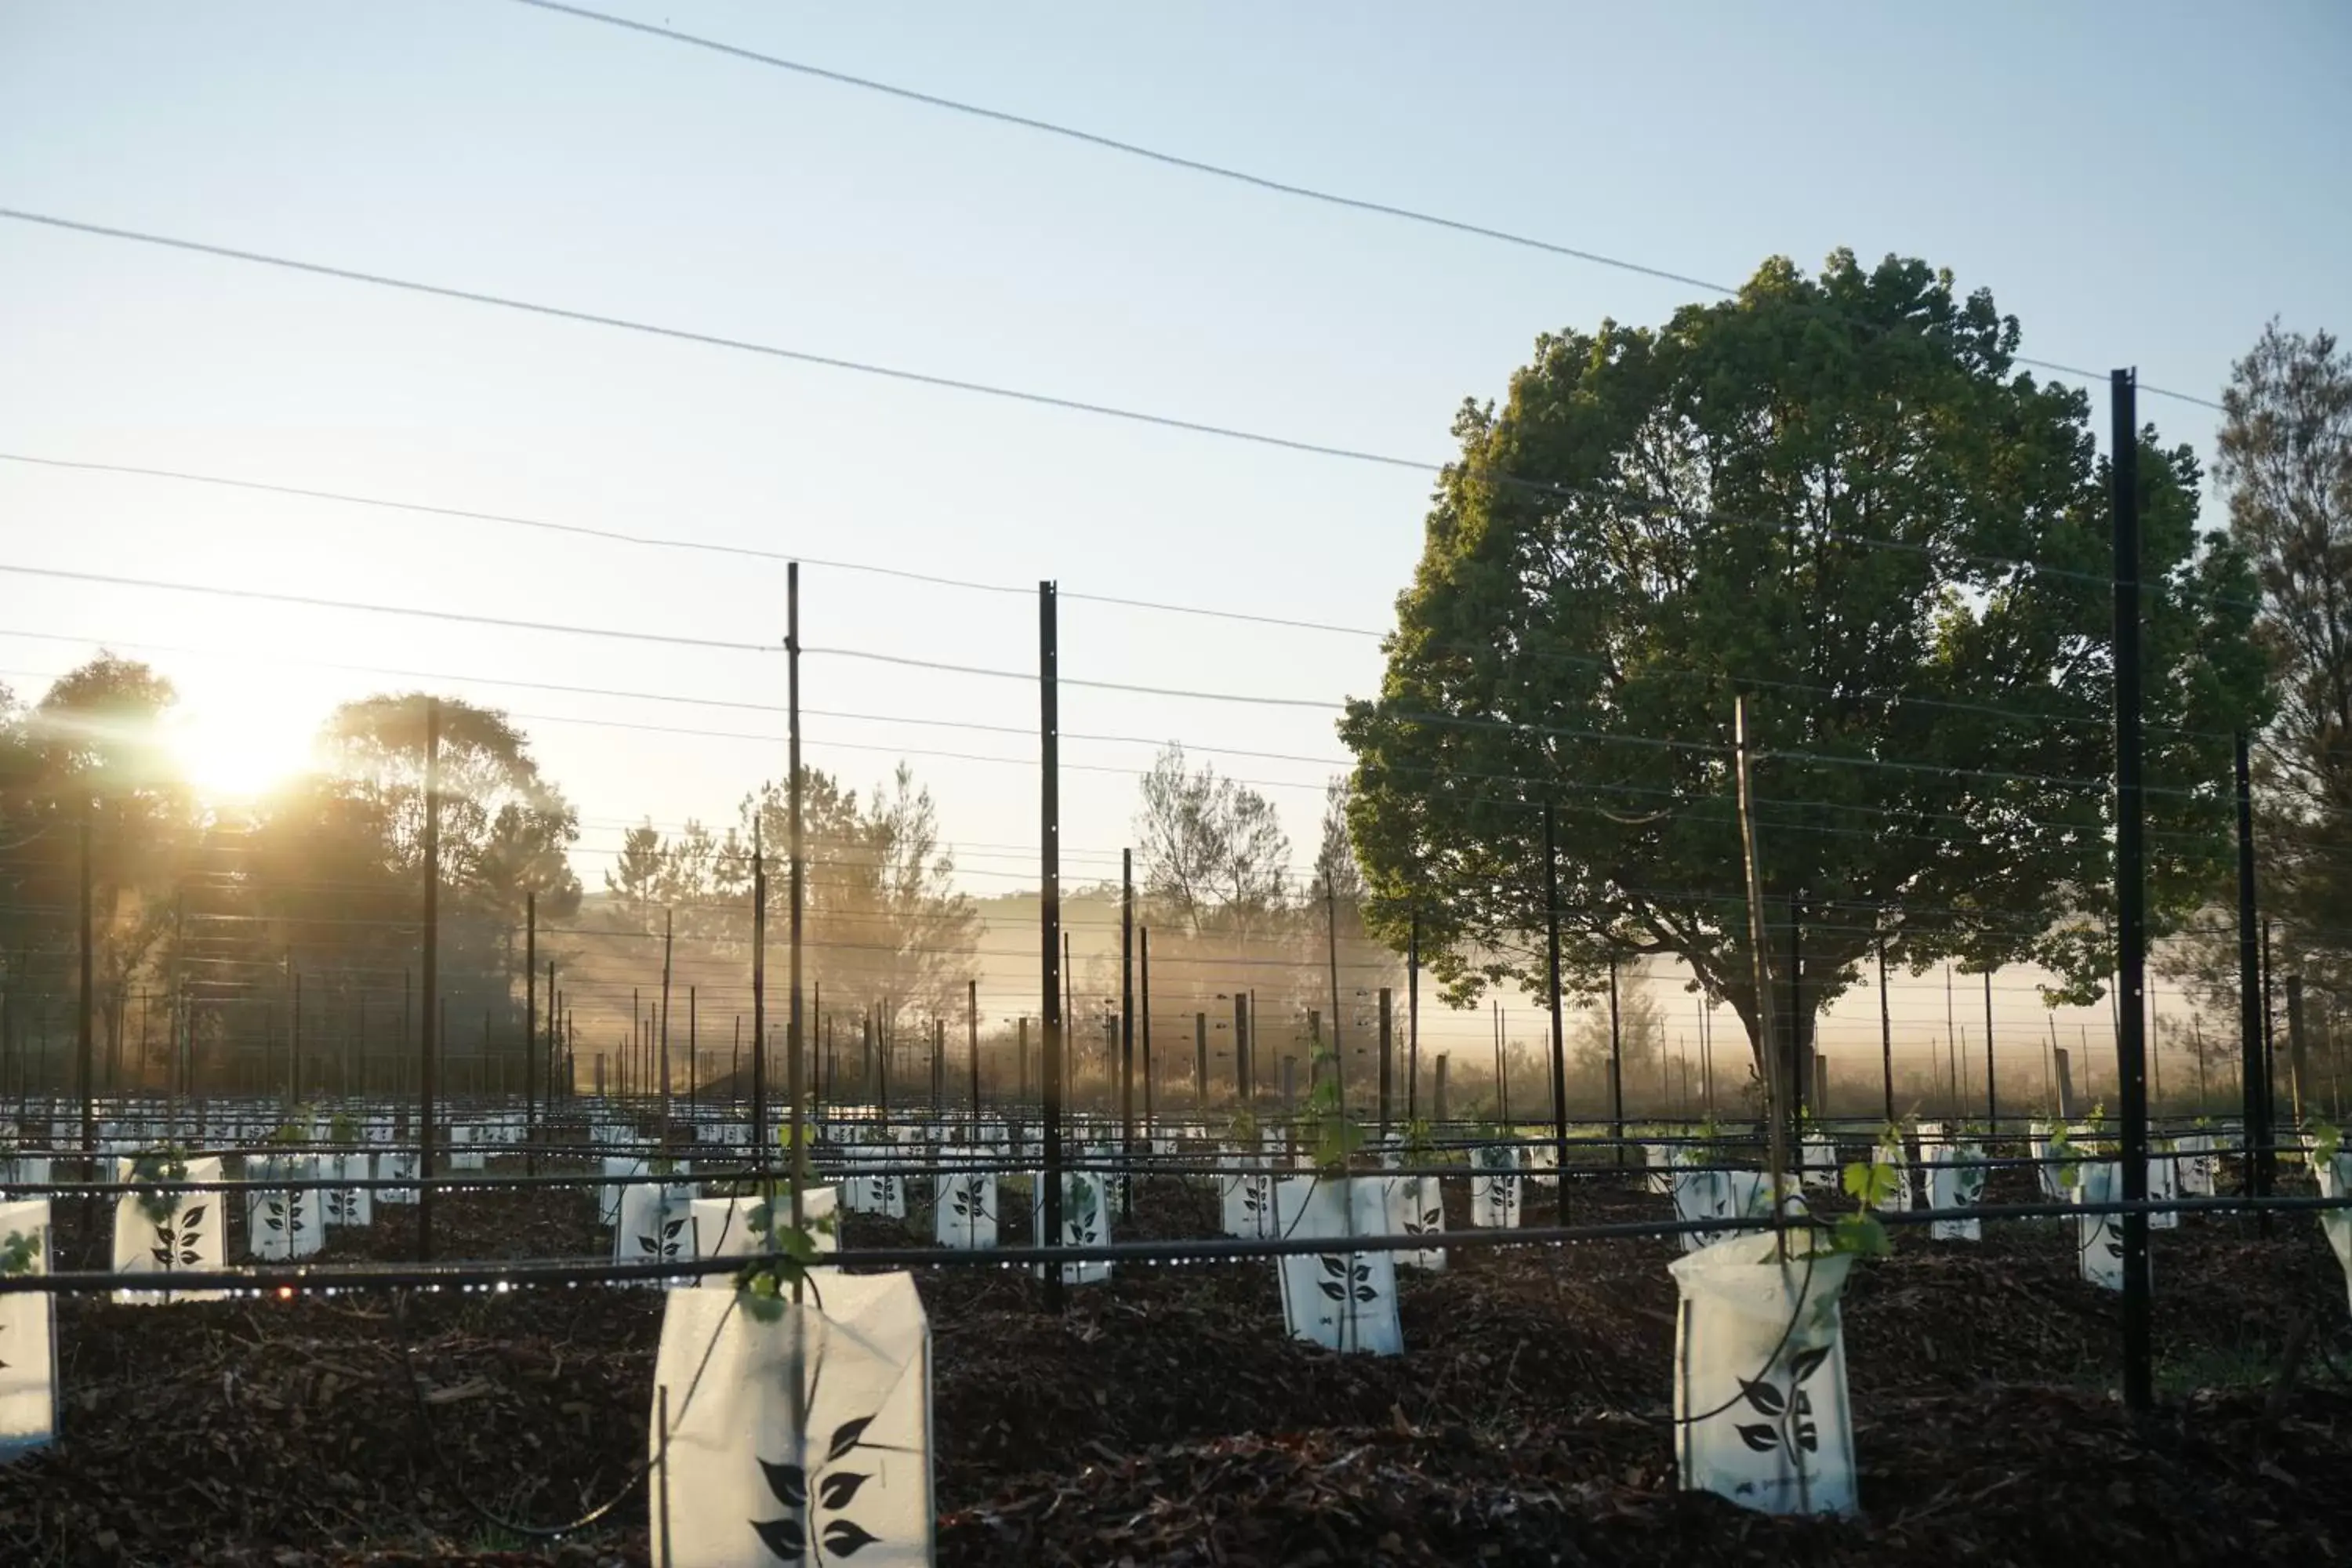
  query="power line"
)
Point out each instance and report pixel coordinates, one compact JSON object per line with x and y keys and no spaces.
{"x":1239,"y":176}
{"x":313,"y":602}
{"x":1160,"y":606}
{"x":1018,"y":395}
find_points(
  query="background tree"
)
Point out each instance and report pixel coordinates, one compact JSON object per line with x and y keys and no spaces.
{"x":1211,"y":851}
{"x":1818,"y":493}
{"x":2287,"y":465}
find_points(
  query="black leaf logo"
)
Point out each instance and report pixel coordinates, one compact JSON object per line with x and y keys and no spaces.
{"x":1804,"y":1363}
{"x":837,"y":1490}
{"x":844,"y":1538}
{"x":788,"y":1483}
{"x":1759,"y":1437}
{"x":845,"y":1436}
{"x":782,"y":1536}
{"x":1766,"y":1399}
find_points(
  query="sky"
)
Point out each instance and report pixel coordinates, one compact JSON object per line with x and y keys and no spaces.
{"x":2142,"y":184}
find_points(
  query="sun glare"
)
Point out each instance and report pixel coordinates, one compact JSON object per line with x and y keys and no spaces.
{"x":240,"y":752}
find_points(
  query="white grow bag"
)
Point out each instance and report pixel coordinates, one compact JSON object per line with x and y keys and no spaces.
{"x":963,"y":1203}
{"x":872,"y":1191}
{"x":346,"y":1206}
{"x":1954,"y":1182}
{"x":1247,"y":1200}
{"x":187,"y":1239}
{"x":1495,"y":1188}
{"x":2193,"y":1166}
{"x":2163,"y":1186}
{"x":1415,"y":1205}
{"x":1895,"y":1158}
{"x":1819,"y":1156}
{"x":1342,"y":1300}
{"x":2099,"y":1237}
{"x":733,"y":1228}
{"x":29,"y":1339}
{"x":743,"y":1485}
{"x":393,"y":1167}
{"x":1086,"y":1221}
{"x":1761,"y":1408}
{"x":657,"y":1227}
{"x":1728,"y":1195}
{"x":282,"y":1224}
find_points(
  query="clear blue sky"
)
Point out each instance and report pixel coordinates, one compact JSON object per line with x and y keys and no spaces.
{"x":2142,"y":184}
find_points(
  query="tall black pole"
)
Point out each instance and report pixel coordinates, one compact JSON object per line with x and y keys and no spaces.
{"x":530,"y":1028}
{"x":85,"y":1008}
{"x":1412,"y":1021}
{"x":668,"y":943}
{"x":795,"y":1024}
{"x":758,"y":994}
{"x":1559,"y":1038}
{"x":1331,"y":936}
{"x":2131,"y":918}
{"x":1616,"y":1062}
{"x":554,"y":1036}
{"x":1049,"y":916}
{"x":971,"y":1026}
{"x":2253,"y":1082}
{"x":1143,"y":1014}
{"x":294,"y":1035}
{"x":1127,"y":1019}
{"x":428,"y":1075}
{"x":1387,"y":1058}
{"x":1886,"y":1034}
{"x":1992,"y":1100}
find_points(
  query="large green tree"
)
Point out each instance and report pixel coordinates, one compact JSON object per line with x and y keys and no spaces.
{"x":2285,"y":463}
{"x":1836,"y":495}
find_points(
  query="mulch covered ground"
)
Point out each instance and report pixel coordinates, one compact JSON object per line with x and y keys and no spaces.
{"x":1165,"y":1418}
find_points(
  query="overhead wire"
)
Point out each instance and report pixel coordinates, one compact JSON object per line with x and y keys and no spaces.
{"x":1223,"y":171}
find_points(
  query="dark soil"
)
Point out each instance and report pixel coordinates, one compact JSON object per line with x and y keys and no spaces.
{"x":1164,"y":1418}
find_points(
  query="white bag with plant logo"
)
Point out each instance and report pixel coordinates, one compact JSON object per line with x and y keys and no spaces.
{"x":1761,"y":1407}
{"x":168,"y":1233}
{"x":963,"y":1203}
{"x":282,"y":1222}
{"x":1659,"y":1160}
{"x":1817,"y":1153}
{"x":745,"y":1482}
{"x":1889,"y":1154}
{"x":2193,"y":1162}
{"x":657,"y":1227}
{"x":28,"y":1334}
{"x":1955,"y":1179}
{"x":1416,"y":1207}
{"x":1342,"y":1300}
{"x":2038,"y":1136}
{"x":867,"y":1189}
{"x":1494,"y":1186}
{"x":735,"y":1227}
{"x":395,"y":1166}
{"x":1086,"y":1221}
{"x":346,"y":1206}
{"x":2099,"y":1237}
{"x":1247,"y":1200}
{"x":2162,"y":1188}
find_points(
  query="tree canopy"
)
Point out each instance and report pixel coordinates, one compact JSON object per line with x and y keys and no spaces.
{"x":1836,"y":495}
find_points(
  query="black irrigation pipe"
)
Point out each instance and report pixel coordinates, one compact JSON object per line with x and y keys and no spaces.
{"x":1206,"y":1249}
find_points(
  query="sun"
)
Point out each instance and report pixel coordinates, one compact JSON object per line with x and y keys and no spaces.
{"x":239,"y":750}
